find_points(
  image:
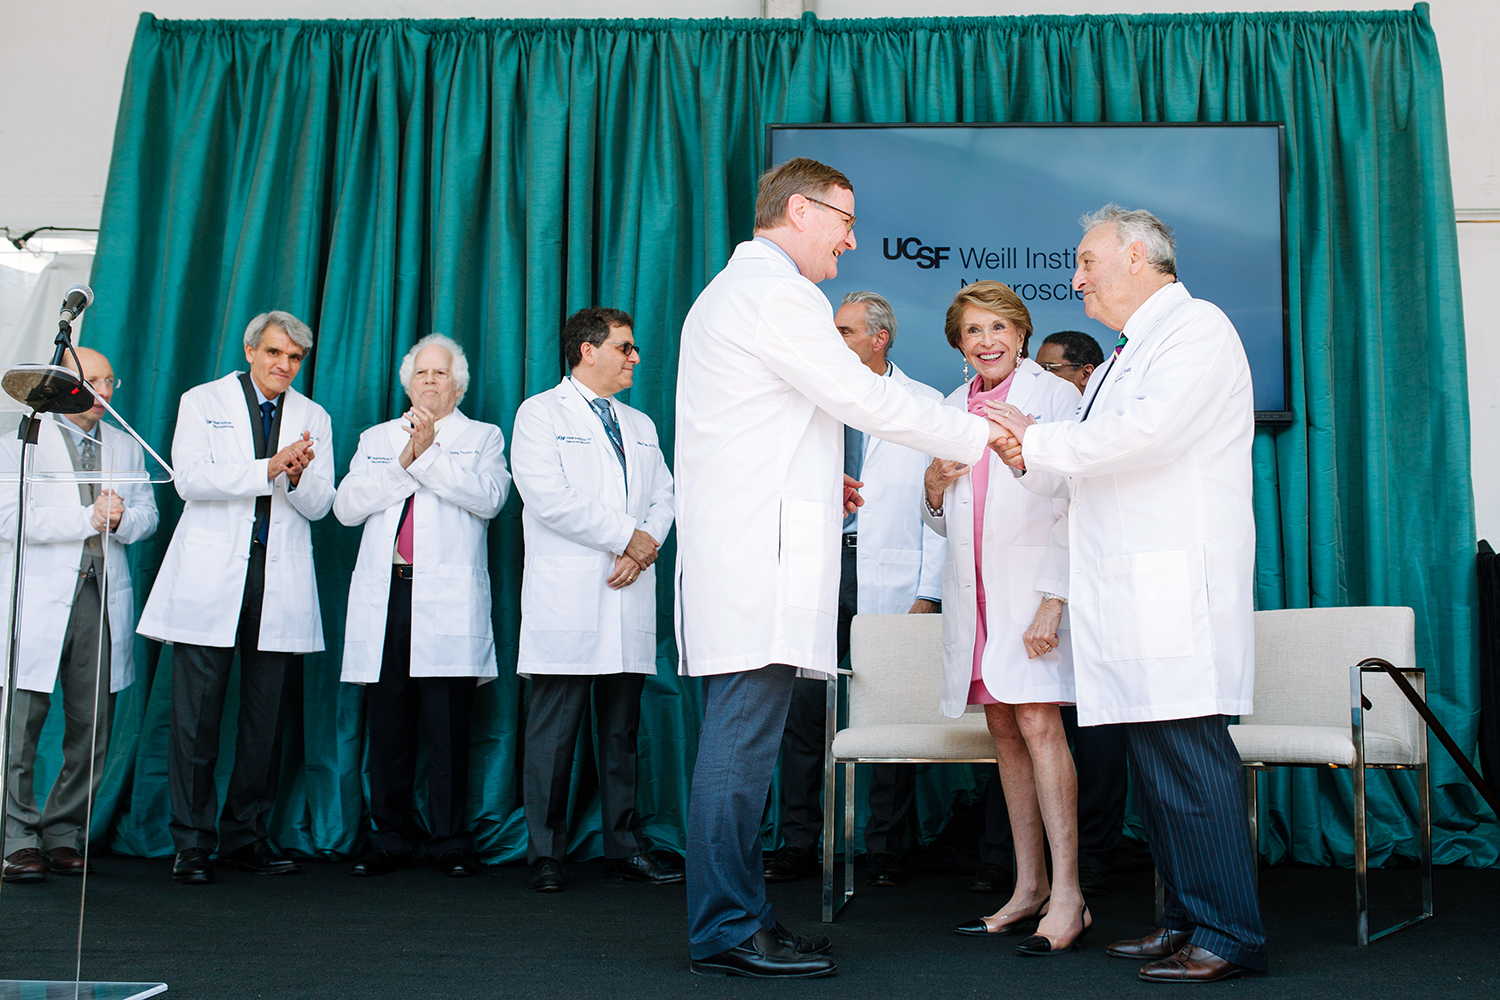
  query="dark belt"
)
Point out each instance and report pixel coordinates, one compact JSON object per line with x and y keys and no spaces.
{"x":400,"y":572}
{"x":851,"y":539}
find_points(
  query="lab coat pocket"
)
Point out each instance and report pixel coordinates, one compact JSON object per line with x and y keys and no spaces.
{"x":464,"y":601}
{"x":561,"y":594}
{"x":809,"y":564}
{"x":1022,"y":565}
{"x":1145,"y":606}
{"x":897,"y":573}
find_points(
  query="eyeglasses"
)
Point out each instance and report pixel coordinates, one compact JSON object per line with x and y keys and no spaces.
{"x":104,"y":384}
{"x":835,"y":208}
{"x":1057,"y":366}
{"x":626,"y":348}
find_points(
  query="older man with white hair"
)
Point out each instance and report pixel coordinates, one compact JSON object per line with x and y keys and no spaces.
{"x":1162,"y":542}
{"x":239,"y":574}
{"x":418,"y":633}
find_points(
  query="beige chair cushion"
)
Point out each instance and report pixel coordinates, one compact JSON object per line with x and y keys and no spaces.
{"x":1315,"y":745}
{"x":1302,"y":698}
{"x":956,"y":740}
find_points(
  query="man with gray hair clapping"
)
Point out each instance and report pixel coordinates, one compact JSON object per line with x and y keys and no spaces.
{"x":239,"y":574}
{"x":419,"y":633}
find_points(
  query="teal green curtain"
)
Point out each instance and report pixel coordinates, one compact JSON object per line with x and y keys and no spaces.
{"x":382,"y":179}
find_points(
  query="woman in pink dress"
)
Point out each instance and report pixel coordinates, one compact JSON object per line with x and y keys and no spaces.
{"x":1005,"y":636}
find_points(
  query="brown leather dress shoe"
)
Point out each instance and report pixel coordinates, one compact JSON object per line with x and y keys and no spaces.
{"x":65,"y":861}
{"x":1160,"y":943}
{"x":26,"y":865}
{"x":1190,"y":965}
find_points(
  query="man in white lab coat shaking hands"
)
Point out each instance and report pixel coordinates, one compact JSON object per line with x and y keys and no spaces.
{"x":765,"y":386}
{"x":1162,"y":542}
{"x":598,"y":504}
{"x":419,"y":633}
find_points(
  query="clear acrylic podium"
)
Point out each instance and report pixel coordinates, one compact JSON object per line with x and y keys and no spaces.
{"x":49,"y":472}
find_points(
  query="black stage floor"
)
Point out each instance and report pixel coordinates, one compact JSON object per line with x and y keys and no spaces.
{"x":414,"y":934}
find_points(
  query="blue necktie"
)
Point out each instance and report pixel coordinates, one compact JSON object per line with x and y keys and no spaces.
{"x":854,"y":464}
{"x":267,"y":414}
{"x":607,"y":417}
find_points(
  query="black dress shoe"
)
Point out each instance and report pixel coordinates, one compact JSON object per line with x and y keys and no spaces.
{"x":192,"y":867}
{"x":762,"y":956}
{"x":642,"y":868}
{"x":791,"y":863}
{"x":259,"y":859}
{"x":458,"y":863}
{"x":1092,"y":881}
{"x":547,"y":876}
{"x":991,"y":878}
{"x":380,"y":862}
{"x":26,"y":865}
{"x":801,"y":945}
{"x":884,"y":869}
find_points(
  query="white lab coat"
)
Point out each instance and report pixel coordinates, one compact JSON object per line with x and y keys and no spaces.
{"x":460,"y":482}
{"x":1161,"y":528}
{"x":899,"y":558}
{"x":579,"y":514}
{"x":764,"y":387}
{"x":1025,"y":555}
{"x":200,"y":587}
{"x":56,"y":526}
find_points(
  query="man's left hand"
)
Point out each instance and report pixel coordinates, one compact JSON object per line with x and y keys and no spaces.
{"x":925,"y":607}
{"x":852,"y":500}
{"x":626,"y":571}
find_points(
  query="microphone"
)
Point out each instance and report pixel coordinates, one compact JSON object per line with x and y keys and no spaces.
{"x":79,"y":298}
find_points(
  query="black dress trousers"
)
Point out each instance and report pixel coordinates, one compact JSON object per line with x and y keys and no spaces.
{"x":397,"y":708}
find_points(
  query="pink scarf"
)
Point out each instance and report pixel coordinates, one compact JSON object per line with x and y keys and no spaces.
{"x":980,"y":478}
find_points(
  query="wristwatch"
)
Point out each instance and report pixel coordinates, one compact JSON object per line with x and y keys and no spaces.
{"x":1049,"y":596}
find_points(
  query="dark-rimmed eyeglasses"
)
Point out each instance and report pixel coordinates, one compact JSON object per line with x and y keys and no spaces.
{"x":1056,"y":366}
{"x":851,"y":218}
{"x":626,"y":348}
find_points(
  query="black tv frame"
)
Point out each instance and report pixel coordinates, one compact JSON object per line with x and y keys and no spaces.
{"x":1268,"y":417}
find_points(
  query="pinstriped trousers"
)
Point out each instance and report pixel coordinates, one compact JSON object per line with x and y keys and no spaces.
{"x":1192,"y":801}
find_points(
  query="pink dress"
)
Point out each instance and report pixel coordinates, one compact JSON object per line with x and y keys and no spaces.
{"x":980,"y":474}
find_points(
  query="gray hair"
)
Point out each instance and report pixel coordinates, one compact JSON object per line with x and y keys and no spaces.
{"x":1138,"y":226}
{"x":878,"y":313}
{"x":460,"y":362}
{"x":294,"y":327}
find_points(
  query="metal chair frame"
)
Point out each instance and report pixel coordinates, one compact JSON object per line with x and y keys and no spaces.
{"x":1358,"y":703}
{"x":835,"y":900}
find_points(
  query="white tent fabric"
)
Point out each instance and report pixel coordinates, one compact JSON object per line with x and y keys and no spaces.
{"x":29,"y":304}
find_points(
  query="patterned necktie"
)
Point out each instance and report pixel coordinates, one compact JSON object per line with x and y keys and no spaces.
{"x":1119,"y":346}
{"x":607,"y":417}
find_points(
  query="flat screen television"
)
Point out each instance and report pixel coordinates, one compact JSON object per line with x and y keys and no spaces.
{"x":941,"y":206}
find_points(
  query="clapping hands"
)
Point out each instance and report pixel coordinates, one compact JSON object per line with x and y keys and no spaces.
{"x":293,"y":459}
{"x":108,"y":509}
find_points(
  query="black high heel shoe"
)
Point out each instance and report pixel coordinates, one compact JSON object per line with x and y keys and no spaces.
{"x":1038,"y":945}
{"x":978,"y":928}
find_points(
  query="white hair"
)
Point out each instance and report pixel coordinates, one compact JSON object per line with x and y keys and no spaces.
{"x":460,"y":364}
{"x":1138,"y":226}
{"x":295,"y":329}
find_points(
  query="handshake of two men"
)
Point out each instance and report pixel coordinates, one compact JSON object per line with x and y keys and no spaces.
{"x":1007,"y":429}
